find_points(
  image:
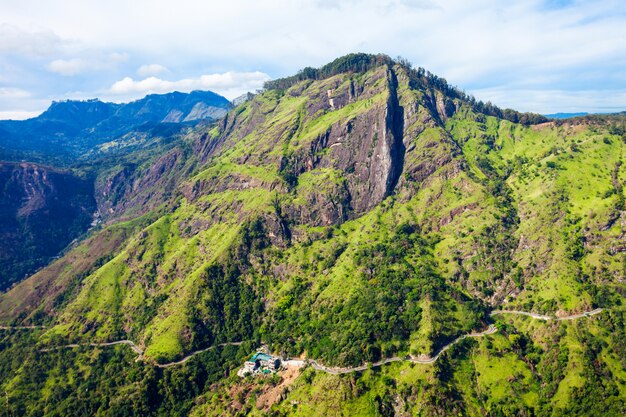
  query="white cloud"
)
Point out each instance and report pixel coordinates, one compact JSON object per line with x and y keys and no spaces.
{"x":229,"y":84}
{"x":36,"y":42}
{"x":521,"y":45}
{"x":68,"y":67}
{"x":19,"y":104}
{"x":8,"y":93}
{"x":75,"y":66}
{"x":151,"y":69}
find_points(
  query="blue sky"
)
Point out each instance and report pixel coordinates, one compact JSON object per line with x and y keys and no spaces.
{"x":536,"y":55}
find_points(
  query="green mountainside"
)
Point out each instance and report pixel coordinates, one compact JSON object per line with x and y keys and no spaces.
{"x":360,"y":211}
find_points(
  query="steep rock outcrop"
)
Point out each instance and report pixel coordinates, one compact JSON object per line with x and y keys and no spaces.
{"x":131,"y":190}
{"x":365,"y":129}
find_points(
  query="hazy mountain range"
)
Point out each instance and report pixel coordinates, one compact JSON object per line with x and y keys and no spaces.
{"x":68,"y":130}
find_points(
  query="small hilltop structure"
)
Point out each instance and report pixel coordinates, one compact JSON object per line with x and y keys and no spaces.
{"x":261,"y":363}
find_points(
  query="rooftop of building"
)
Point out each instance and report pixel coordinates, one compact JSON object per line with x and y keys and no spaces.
{"x":260,"y":356}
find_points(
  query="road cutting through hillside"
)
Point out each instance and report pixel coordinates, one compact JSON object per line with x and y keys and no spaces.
{"x":139,"y":351}
{"x":547,"y":318}
{"x":423,"y":360}
{"x":329,"y":369}
{"x":191,"y":355}
{"x":432,"y":359}
{"x":21,"y":327}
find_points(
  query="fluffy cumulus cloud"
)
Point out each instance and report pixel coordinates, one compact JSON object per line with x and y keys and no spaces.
{"x":229,"y":84}
{"x":68,"y":66}
{"x":543,"y":52}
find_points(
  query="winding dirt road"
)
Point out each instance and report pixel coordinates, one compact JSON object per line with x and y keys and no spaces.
{"x":546,"y":318}
{"x":432,"y":359}
{"x":192,"y":354}
{"x":21,"y":327}
{"x":139,"y":351}
{"x":423,"y":360}
{"x":329,"y":369}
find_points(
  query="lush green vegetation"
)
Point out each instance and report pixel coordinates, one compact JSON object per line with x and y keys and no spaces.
{"x":103,"y":382}
{"x":356,"y":212}
{"x":515,"y":372}
{"x":376,"y":318}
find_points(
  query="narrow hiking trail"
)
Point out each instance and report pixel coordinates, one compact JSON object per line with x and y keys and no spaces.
{"x":316,"y":365}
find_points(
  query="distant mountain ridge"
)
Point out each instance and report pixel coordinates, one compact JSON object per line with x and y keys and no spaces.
{"x":70,"y":129}
{"x":561,"y":115}
{"x":565,"y":115}
{"x":581,"y":114}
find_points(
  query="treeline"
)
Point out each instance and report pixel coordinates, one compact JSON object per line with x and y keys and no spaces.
{"x":349,"y":63}
{"x":615,"y":123}
{"x":425,"y":80}
{"x":419,"y":78}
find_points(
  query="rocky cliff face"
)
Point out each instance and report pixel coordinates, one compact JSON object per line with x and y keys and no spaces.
{"x":342,"y":144}
{"x":367,"y":149}
{"x":41,"y":211}
{"x":130,"y":190}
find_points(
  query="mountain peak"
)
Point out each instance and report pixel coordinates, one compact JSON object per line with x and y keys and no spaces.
{"x":418,"y":78}
{"x":80,"y":112}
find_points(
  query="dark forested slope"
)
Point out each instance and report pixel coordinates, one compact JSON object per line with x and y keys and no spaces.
{"x":41,"y":211}
{"x":116,"y":159}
